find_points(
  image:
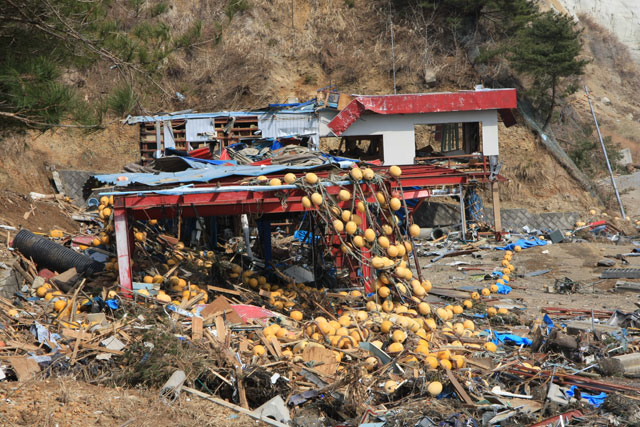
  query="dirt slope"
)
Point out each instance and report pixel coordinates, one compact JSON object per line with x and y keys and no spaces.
{"x":282,"y":48}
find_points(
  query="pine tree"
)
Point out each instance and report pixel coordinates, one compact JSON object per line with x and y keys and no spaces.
{"x":547,"y":51}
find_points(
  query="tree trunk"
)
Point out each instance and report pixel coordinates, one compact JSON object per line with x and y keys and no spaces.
{"x":553,"y":102}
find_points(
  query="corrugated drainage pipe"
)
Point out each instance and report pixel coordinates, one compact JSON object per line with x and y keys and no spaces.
{"x":47,"y":254}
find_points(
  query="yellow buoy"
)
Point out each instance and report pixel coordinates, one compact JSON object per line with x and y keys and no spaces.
{"x":368,"y":174}
{"x":306,"y":202}
{"x":384,"y":292}
{"x":386,"y":229}
{"x":338,"y":225}
{"x":398,"y":336}
{"x":468,"y":324}
{"x":345,"y":215}
{"x":358,"y":241}
{"x":377,"y":262}
{"x":383,"y":242}
{"x":311,"y":178}
{"x":395,"y":347}
{"x":395,"y":203}
{"x":395,"y":171}
{"x":289,"y":178}
{"x":356,"y":174}
{"x":390,"y":386}
{"x":387,"y":306}
{"x":344,"y":195}
{"x":491,"y":311}
{"x":360,"y":207}
{"x":414,"y":230}
{"x":424,"y":308}
{"x":485,"y":292}
{"x":275,"y":182}
{"x":426,"y":285}
{"x":316,"y":199}
{"x":434,"y":388}
{"x":59,"y":305}
{"x":351,"y":227}
{"x":258,"y":350}
{"x":381,"y":198}
{"x":296,"y":315}
{"x":489,"y":346}
{"x":369,"y":235}
{"x":392,"y":251}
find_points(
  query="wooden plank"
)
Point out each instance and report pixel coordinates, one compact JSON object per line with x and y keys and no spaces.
{"x":224,"y":290}
{"x":221,"y":304}
{"x":221,"y":329}
{"x":101,"y":349}
{"x":234,"y":407}
{"x":196,"y":328}
{"x":495,"y":198}
{"x":461,"y":391}
{"x":24,"y":367}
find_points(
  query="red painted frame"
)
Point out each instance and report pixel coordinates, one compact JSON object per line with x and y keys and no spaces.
{"x":158,"y":206}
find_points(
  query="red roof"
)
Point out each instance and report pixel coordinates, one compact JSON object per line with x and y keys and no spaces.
{"x":486,"y":99}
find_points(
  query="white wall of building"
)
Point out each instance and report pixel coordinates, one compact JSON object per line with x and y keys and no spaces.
{"x":398,"y":130}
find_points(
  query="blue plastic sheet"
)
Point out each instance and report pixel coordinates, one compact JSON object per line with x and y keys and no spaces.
{"x":594,"y":399}
{"x":113,"y":304}
{"x":510,"y":339}
{"x":304,"y":236}
{"x":547,"y":321}
{"x":504,"y":289}
{"x":524,"y":244}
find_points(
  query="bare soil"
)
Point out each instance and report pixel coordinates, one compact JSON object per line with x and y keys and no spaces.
{"x":576,"y":261}
{"x":44,"y":215}
{"x":65,"y":402}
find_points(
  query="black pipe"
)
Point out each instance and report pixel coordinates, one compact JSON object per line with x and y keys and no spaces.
{"x":55,"y":257}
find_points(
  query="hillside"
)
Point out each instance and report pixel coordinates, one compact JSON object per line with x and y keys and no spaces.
{"x":261,"y":52}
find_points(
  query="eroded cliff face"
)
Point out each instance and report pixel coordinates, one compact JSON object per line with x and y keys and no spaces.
{"x":621,"y":17}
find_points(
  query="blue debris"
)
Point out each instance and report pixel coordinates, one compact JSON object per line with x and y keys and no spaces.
{"x":510,"y":339}
{"x":594,"y":399}
{"x":524,"y":244}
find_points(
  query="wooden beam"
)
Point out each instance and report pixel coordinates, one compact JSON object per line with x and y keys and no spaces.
{"x":495,"y":197}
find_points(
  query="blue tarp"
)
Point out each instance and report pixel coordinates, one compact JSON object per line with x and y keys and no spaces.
{"x":594,"y":399}
{"x":304,"y":236}
{"x":524,"y":244}
{"x":206,"y":174}
{"x":503,"y":289}
{"x":510,"y":339}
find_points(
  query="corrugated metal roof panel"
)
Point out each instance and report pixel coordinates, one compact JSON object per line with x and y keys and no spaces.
{"x":206,"y":174}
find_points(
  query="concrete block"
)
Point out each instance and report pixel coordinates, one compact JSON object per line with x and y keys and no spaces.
{"x":579,"y":326}
{"x":276,"y":409}
{"x":624,"y":364}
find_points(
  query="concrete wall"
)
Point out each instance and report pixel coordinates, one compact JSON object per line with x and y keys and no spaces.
{"x":621,"y":17}
{"x":398,"y":130}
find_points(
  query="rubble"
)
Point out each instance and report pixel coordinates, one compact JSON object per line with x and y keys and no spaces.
{"x":293,"y":337}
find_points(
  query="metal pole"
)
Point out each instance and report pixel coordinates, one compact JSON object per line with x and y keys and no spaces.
{"x":393,"y":56}
{"x":604,"y":150}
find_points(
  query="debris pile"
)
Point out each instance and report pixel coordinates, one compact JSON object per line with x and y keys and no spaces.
{"x":374,"y":341}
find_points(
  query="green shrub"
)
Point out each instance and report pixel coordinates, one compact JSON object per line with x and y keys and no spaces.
{"x":122,"y":100}
{"x":159,"y":9}
{"x":236,"y":6}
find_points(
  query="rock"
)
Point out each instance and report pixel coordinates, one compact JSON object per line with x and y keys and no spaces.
{"x":605,"y":100}
{"x":606,"y":262}
{"x":430,"y":77}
